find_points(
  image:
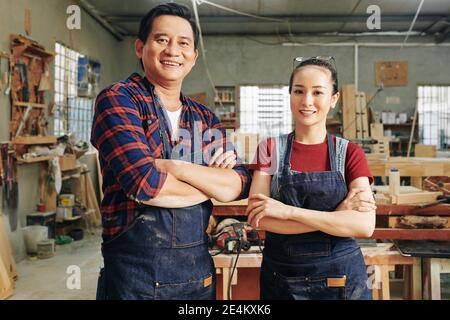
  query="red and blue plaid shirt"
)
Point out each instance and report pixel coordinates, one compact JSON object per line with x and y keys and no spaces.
{"x":126,"y":133}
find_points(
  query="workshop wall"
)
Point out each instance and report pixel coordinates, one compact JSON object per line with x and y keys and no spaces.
{"x":49,"y":26}
{"x":263,"y":60}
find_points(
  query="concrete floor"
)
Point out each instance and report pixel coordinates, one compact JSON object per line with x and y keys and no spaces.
{"x":46,"y":279}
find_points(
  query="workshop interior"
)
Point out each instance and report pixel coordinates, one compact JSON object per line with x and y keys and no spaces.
{"x":63,"y":211}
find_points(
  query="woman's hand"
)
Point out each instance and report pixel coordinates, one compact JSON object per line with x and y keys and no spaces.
{"x":262,"y":206}
{"x":222,"y":160}
{"x":358,"y":199}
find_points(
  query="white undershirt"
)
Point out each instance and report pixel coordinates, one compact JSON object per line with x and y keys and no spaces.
{"x":174,"y":117}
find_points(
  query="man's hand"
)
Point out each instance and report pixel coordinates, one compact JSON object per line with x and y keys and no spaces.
{"x":174,"y":167}
{"x":222,"y":160}
{"x":358,"y":199}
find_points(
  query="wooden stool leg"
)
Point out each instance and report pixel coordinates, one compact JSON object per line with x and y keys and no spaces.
{"x":407,"y":285}
{"x":412,"y":281}
{"x":376,"y":284}
{"x":434,"y":273}
{"x":385,"y":288}
{"x":416,"y":279}
{"x":225,"y":283}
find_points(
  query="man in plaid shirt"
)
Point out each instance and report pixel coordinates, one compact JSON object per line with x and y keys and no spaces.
{"x":162,"y":157}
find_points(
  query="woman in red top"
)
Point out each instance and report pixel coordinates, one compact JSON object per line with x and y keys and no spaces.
{"x":311,"y":193}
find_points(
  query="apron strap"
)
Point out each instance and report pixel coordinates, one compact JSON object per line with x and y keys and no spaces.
{"x":331,"y":153}
{"x":341,"y":153}
{"x":280,"y":154}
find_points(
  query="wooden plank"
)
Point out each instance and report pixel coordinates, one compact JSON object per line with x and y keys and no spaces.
{"x":403,"y":189}
{"x":418,"y":222}
{"x":377,"y":130}
{"x":99,"y":176}
{"x":411,"y":234}
{"x":413,"y":167}
{"x":362,"y":126}
{"x":417,"y":197}
{"x":6,"y":284}
{"x":5,"y":250}
{"x":424,"y":150}
{"x":403,"y":209}
{"x":349,"y":111}
{"x":92,"y":201}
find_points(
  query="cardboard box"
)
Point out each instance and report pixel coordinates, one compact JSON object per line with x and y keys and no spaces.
{"x":66,"y":200}
{"x":68,"y":162}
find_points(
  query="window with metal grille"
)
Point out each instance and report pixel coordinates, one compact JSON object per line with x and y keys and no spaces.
{"x":265,"y":110}
{"x":434,"y":115}
{"x":72,"y":113}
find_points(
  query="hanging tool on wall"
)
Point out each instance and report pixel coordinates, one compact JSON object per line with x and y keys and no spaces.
{"x":23,"y":120}
{"x":9,"y":75}
{"x":4,"y":77}
{"x":24,"y":78}
{"x":10,"y":187}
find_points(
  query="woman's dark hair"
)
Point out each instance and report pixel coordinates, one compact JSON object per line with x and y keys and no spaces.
{"x":171,"y":9}
{"x":317,"y":62}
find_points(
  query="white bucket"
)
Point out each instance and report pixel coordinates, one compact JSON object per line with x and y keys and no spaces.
{"x":34,"y":234}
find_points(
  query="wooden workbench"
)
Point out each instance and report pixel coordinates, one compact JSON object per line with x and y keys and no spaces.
{"x":379,"y":260}
{"x":237,"y":208}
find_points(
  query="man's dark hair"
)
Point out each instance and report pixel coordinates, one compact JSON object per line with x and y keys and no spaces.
{"x":321,"y":63}
{"x":171,"y":9}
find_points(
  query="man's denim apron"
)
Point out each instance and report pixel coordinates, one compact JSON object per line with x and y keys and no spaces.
{"x":163,"y":254}
{"x":312,"y":265}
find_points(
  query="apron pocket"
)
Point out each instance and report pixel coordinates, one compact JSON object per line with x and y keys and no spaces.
{"x":188,"y":227}
{"x":308,"y":249}
{"x":315,"y":288}
{"x":118,"y":237}
{"x":201,"y":289}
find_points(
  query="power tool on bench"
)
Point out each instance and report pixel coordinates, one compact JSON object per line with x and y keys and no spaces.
{"x":232,"y":236}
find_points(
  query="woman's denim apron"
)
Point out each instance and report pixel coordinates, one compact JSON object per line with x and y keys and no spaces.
{"x":312,"y":265}
{"x":163,"y":254}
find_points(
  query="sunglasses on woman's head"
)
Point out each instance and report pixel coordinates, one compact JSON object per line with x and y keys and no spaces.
{"x":300,"y":60}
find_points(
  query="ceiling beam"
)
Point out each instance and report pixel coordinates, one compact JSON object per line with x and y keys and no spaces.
{"x":294,"y":19}
{"x":443,"y":35}
{"x":90,"y":9}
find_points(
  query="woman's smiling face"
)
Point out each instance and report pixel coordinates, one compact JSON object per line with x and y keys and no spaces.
{"x":312,"y":95}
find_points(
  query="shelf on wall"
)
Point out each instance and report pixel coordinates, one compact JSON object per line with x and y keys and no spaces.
{"x":29,"y":140}
{"x":31,"y":104}
{"x":34,"y":160}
